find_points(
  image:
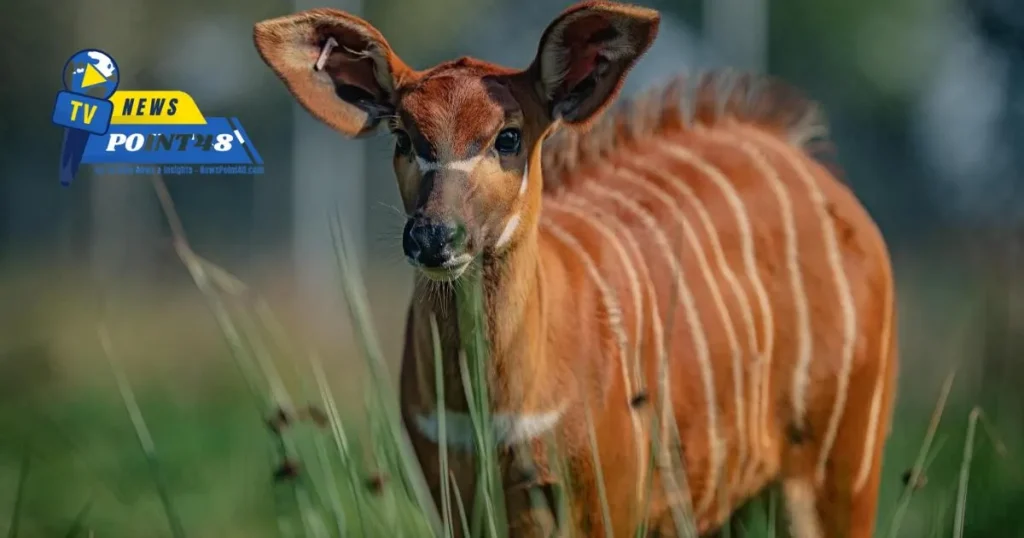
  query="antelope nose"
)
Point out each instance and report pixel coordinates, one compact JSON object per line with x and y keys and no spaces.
{"x":428,"y":242}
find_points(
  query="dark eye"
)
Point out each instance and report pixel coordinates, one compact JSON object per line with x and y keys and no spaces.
{"x":402,"y":142}
{"x":508,"y":141}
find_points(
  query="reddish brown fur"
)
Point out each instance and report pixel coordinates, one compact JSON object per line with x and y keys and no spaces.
{"x":588,"y":194}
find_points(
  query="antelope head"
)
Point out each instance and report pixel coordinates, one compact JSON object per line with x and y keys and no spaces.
{"x":467,"y":133}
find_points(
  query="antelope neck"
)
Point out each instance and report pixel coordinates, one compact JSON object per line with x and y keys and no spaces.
{"x":520,"y":380}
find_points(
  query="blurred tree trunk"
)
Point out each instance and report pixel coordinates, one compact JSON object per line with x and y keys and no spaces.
{"x":1001,"y":24}
{"x":125,"y":228}
{"x":327,"y":174}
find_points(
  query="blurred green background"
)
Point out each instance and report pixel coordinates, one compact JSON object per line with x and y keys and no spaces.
{"x":926,"y":103}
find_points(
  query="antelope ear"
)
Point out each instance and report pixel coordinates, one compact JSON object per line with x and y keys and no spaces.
{"x":338,"y":66}
{"x":585,"y":54}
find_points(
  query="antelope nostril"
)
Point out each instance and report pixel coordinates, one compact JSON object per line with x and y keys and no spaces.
{"x":409,"y":244}
{"x":442,"y":234}
{"x":429,"y":243}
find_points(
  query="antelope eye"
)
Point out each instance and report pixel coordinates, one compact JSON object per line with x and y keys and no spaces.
{"x":403,"y":144}
{"x":508,"y":141}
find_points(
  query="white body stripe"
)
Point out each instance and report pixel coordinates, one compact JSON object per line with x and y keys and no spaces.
{"x":506,"y":233}
{"x":697,"y":333}
{"x":684,"y":154}
{"x":608,"y":297}
{"x":525,"y":182}
{"x":576,"y":204}
{"x":607,"y":294}
{"x":707,"y":368}
{"x":681,"y":188}
{"x":842,"y":285}
{"x":629,"y":368}
{"x":800,"y":505}
{"x":672,"y":487}
{"x":509,"y":428}
{"x":872,"y":434}
{"x":657,"y":330}
{"x":804,"y":337}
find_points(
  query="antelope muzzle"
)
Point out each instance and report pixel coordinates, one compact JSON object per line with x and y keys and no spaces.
{"x":435,"y":247}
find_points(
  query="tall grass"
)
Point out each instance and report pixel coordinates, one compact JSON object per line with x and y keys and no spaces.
{"x":329,"y":481}
{"x":393,"y":454}
{"x":142,"y":434}
{"x":369,"y":511}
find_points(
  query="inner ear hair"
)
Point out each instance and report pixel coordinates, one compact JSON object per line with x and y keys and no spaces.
{"x":338,"y":67}
{"x":352,"y":93}
{"x":366,"y":102}
{"x":569,"y":104}
{"x":585,"y":55}
{"x":375,"y":108}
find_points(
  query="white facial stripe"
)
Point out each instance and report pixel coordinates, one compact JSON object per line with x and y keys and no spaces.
{"x":525,"y":181}
{"x":509,"y":428}
{"x":506,"y":234}
{"x":425,"y":165}
{"x":464,"y":165}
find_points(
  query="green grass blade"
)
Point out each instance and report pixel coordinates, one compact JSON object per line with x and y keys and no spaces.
{"x":336,"y":508}
{"x":965,"y":473}
{"x":340,"y":440}
{"x":462,"y":508}
{"x":903,"y":504}
{"x":142,"y":435}
{"x":563,"y":492}
{"x":475,"y":364}
{"x":440,"y":407}
{"x":602,"y":494}
{"x":19,"y":497}
{"x":645,"y":504}
{"x":200,"y":276}
{"x":79,"y":522}
{"x":483,"y":503}
{"x":354,"y":294}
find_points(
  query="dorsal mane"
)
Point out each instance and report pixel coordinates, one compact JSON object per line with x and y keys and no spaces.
{"x":705,"y":100}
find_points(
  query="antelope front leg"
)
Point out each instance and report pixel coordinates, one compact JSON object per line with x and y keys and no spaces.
{"x":530,"y":499}
{"x":531,"y":511}
{"x":461,"y":475}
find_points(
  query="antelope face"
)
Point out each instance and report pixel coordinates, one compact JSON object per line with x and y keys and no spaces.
{"x":462,"y":144}
{"x":464,"y":131}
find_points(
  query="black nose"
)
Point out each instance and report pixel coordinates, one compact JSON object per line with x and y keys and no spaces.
{"x":428,"y":242}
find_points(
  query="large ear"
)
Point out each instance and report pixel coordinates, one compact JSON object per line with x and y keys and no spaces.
{"x":585,"y":54}
{"x":338,"y":66}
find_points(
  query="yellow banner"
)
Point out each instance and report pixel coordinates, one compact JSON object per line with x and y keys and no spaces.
{"x":152,"y":107}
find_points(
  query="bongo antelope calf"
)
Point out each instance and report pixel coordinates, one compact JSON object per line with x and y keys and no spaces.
{"x":682,"y":269}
